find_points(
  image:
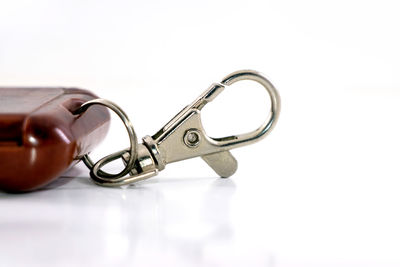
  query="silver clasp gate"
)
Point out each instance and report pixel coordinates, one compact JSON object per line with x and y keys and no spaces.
{"x":182,"y":138}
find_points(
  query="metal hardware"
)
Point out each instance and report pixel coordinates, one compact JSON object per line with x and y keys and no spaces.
{"x":182,"y":138}
{"x":132,"y":150}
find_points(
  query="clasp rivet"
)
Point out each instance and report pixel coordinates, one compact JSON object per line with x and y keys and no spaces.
{"x":192,"y":138}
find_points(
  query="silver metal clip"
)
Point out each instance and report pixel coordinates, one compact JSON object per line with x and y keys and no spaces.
{"x":182,"y":138}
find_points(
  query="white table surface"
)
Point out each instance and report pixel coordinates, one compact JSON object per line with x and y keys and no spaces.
{"x":321,"y":190}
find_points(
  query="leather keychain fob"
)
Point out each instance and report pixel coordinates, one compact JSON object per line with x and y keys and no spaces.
{"x":41,"y":136}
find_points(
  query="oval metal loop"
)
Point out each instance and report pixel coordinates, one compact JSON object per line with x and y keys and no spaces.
{"x":132,"y":139}
{"x":96,"y":172}
{"x":119,"y":181}
{"x":269,"y":123}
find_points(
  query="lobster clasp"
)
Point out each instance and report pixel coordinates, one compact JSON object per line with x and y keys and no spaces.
{"x":184,"y":136}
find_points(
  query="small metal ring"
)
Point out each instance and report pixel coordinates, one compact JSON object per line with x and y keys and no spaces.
{"x":132,"y":139}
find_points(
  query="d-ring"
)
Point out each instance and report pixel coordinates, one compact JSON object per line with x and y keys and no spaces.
{"x":132,"y":139}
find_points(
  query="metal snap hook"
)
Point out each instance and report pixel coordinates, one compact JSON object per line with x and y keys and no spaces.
{"x":183,"y":137}
{"x":173,"y":139}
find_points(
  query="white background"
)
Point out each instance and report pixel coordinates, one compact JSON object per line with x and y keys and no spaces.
{"x":321,"y":190}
